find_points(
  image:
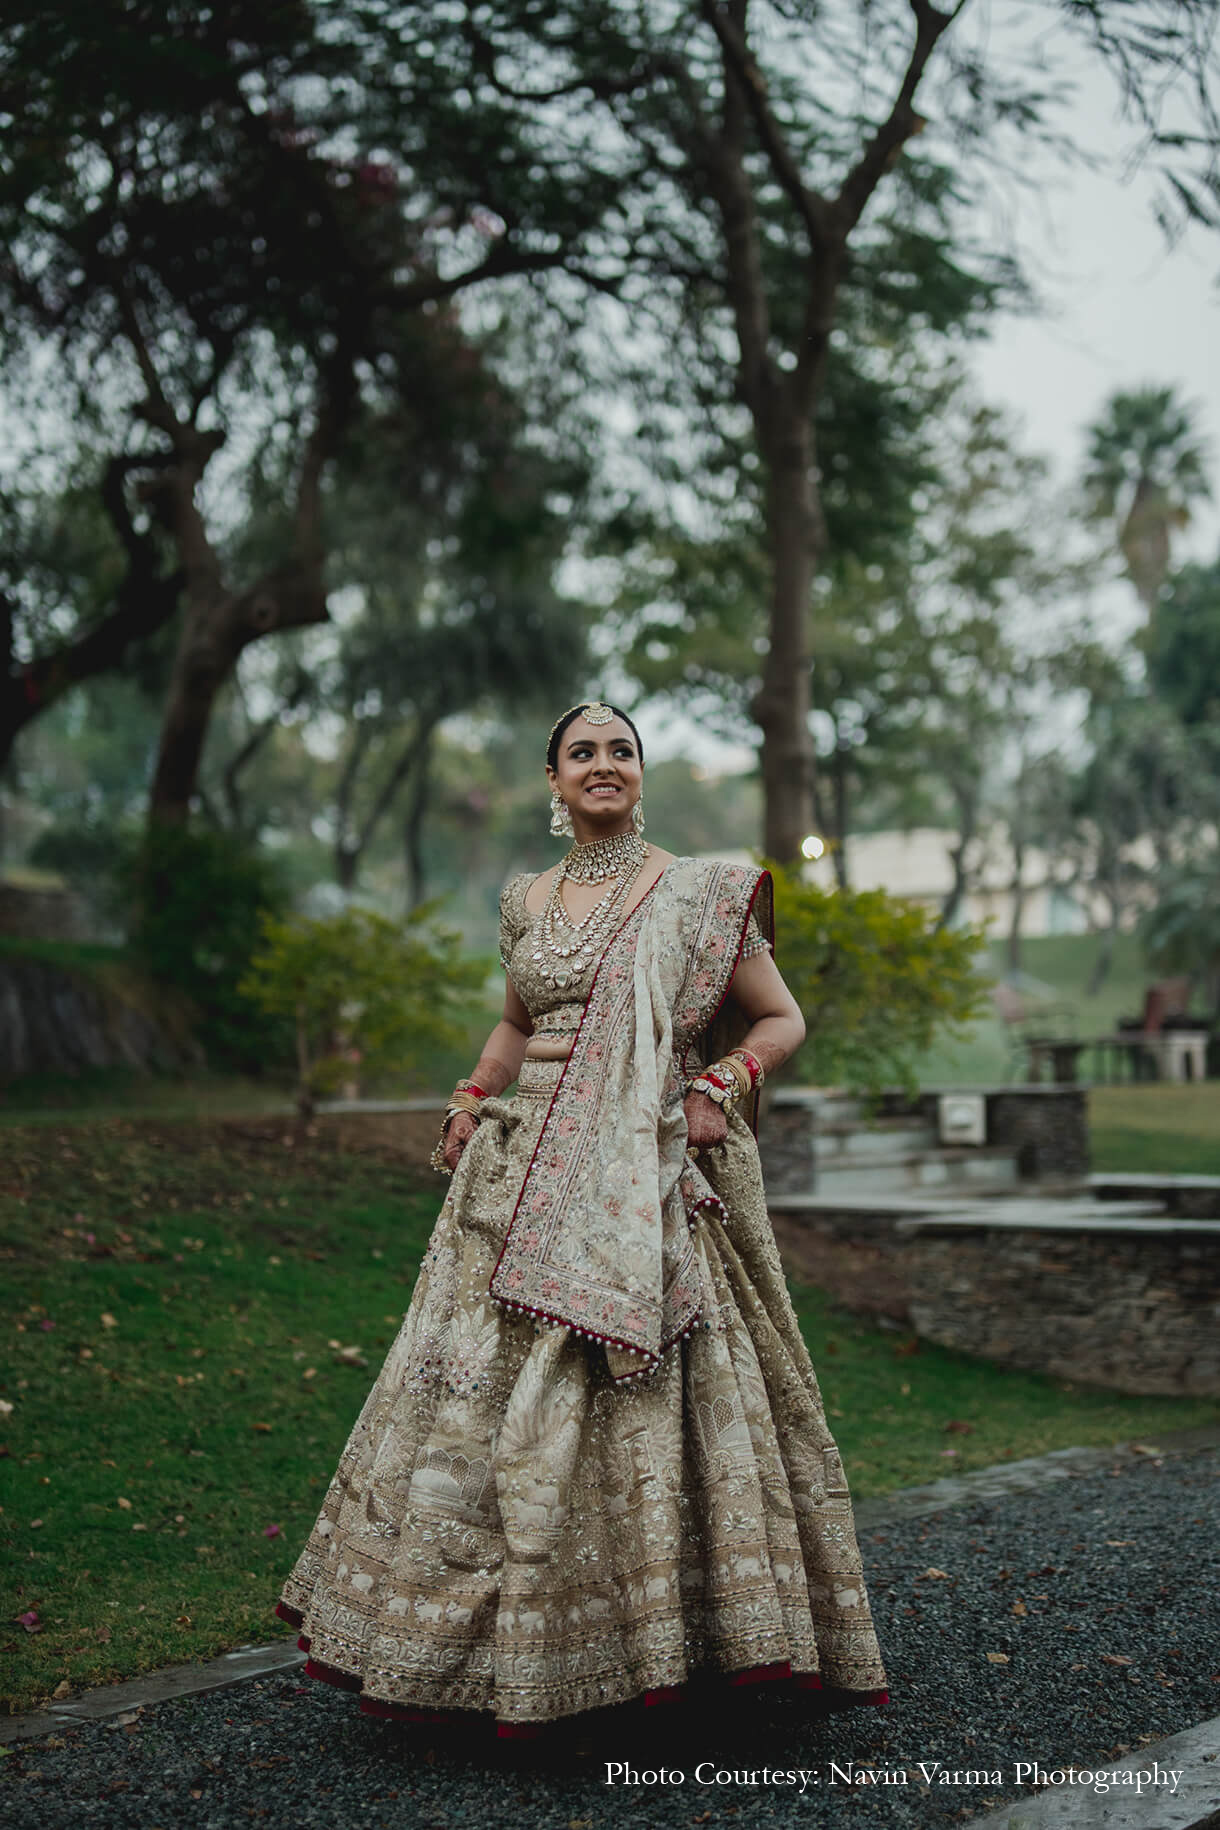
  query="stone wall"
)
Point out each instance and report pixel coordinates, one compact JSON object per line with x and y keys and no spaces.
{"x":54,"y":913}
{"x":55,"y":1019}
{"x":1133,"y":1308}
{"x":1047,"y":1128}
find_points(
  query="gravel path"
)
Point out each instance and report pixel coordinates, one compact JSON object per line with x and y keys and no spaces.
{"x":1097,"y":1598}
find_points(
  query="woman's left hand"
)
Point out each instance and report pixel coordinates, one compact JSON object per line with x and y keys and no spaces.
{"x":705,"y":1122}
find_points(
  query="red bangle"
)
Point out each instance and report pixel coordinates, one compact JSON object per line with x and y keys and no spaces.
{"x":753,"y":1064}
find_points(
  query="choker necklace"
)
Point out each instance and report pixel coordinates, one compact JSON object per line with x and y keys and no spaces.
{"x":597,"y":860}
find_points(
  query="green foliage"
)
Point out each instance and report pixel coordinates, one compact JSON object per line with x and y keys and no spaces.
{"x":193,"y":901}
{"x":361,"y":990}
{"x":875,"y":977}
{"x":1182,"y":647}
{"x":1182,"y":932}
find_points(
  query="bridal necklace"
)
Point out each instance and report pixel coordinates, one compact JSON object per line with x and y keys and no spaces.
{"x":599,"y":859}
{"x":565,"y":947}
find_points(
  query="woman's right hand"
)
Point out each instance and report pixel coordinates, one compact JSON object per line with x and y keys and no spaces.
{"x":458,"y":1133}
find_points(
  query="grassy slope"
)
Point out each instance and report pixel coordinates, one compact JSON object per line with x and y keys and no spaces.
{"x":1065,"y":962}
{"x":199,"y":1281}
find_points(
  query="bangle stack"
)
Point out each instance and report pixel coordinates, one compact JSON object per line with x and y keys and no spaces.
{"x":731,"y":1078}
{"x":465,"y":1097}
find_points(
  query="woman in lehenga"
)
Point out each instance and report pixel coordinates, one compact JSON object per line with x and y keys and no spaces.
{"x":595,"y":1464}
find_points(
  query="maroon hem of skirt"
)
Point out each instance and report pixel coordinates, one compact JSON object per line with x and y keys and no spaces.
{"x":829,"y":1696}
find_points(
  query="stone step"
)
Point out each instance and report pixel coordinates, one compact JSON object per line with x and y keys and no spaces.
{"x":927,"y":1170}
{"x":962,"y":1204}
{"x":894,"y":1137}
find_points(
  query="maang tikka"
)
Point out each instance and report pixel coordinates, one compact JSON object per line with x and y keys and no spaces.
{"x":561,"y":818}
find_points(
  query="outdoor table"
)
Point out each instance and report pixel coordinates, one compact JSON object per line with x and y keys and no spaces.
{"x":1060,"y":1052}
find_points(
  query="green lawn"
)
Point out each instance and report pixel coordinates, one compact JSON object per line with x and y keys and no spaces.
{"x":1162,"y":1128}
{"x":178,"y":1297}
{"x":1064,"y":963}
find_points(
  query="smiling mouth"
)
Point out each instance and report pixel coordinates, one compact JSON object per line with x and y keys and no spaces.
{"x":604,"y":788}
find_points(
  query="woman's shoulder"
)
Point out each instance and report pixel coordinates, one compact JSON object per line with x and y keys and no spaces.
{"x":725,"y":871}
{"x":512,"y":896}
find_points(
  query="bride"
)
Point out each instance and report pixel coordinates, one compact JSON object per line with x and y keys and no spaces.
{"x":595,"y":1463}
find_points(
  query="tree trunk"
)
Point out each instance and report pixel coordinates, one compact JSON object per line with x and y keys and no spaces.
{"x":202,"y":664}
{"x":1014,"y":927}
{"x":216,"y":629}
{"x":1105,"y":957}
{"x":1018,"y":904}
{"x":413,"y":826}
{"x":841,"y":793}
{"x":347,"y":864}
{"x":783,"y":703}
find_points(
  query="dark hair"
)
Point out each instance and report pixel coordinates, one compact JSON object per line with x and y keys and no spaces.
{"x":552,"y":749}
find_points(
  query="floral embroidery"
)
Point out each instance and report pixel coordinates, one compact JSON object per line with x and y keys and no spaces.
{"x":509,"y":1528}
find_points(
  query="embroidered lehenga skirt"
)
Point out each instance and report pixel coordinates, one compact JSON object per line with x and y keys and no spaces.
{"x":511,"y":1531}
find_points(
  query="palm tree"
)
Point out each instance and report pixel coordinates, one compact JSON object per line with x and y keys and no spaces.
{"x":1146,"y":464}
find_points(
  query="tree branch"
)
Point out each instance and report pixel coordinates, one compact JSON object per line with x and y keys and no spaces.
{"x":741,"y":69}
{"x":144,"y":605}
{"x":900,"y":124}
{"x":254,"y":742}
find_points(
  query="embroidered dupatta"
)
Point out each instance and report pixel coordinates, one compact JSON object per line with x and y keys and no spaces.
{"x":601,"y":1235}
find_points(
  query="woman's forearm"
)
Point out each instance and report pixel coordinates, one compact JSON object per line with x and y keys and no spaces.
{"x":773,"y":1039}
{"x":500,"y":1063}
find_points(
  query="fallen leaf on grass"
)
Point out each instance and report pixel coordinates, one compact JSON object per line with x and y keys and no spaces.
{"x":30,"y":1621}
{"x":1114,"y":1658}
{"x":1119,"y":1543}
{"x":61,"y":1690}
{"x":958,"y":1426}
{"x":997,"y":1658}
{"x":1019,"y":1607}
{"x":102,"y":1635}
{"x":271,"y":1531}
{"x":264,"y":1427}
{"x":938,"y":1575}
{"x":108,"y":1320}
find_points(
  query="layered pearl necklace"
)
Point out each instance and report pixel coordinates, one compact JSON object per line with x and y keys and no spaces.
{"x":565,"y":948}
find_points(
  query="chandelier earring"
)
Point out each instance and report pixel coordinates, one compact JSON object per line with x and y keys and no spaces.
{"x":561,"y":818}
{"x":637,"y":815}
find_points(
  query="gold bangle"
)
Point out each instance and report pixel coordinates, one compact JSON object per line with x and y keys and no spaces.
{"x":745,"y":1056}
{"x":734,"y":1070}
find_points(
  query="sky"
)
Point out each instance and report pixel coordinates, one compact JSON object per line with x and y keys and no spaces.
{"x":1125,"y":310}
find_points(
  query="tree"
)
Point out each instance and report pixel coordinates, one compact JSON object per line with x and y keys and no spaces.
{"x":1182,"y":932}
{"x":1182,"y":649}
{"x":1141,"y":803}
{"x":1146,"y":465}
{"x":766,"y":140}
{"x":200,"y":225}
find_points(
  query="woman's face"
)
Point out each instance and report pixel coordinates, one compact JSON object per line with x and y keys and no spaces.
{"x":599,"y":774}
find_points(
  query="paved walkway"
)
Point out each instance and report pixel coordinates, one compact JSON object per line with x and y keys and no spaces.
{"x":1048,"y":1627}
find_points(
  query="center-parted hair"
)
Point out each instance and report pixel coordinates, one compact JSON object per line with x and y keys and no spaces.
{"x":552,"y":749}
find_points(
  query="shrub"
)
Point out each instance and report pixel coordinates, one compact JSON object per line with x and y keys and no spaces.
{"x":362,"y":990}
{"x":193,"y":901}
{"x":875,"y":978}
